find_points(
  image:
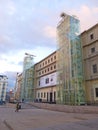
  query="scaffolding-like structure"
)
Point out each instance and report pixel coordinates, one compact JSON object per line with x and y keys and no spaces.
{"x":70,"y":69}
{"x":28,"y":75}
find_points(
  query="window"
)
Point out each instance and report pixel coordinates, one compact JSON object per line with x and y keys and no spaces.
{"x":54,"y":96}
{"x":47,"y":81}
{"x":47,"y":97}
{"x":72,"y":73}
{"x":96,"y":92}
{"x":71,"y":51}
{"x":51,"y":67}
{"x":41,"y":94}
{"x":39,"y":83}
{"x":54,"y":66}
{"x":91,"y":36}
{"x":94,"y":68}
{"x":51,"y":79}
{"x":38,"y":95}
{"x":48,"y":61}
{"x":93,"y":50}
{"x":44,"y":94}
{"x":54,"y":57}
{"x":45,"y":62}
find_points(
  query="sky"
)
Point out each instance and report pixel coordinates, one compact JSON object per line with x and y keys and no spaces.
{"x":30,"y":26}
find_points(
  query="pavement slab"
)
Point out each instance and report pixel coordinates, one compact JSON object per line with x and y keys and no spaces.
{"x":3,"y":126}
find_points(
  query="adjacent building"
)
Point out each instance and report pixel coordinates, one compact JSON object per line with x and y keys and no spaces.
{"x":90,"y":60}
{"x":18,"y":86}
{"x":46,"y":79}
{"x":3,"y":87}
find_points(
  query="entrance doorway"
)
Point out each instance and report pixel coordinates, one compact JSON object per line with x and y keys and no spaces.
{"x":51,"y":95}
{"x":54,"y":97}
{"x":47,"y":96}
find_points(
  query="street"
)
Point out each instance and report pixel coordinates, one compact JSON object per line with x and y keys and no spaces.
{"x":31,"y":118}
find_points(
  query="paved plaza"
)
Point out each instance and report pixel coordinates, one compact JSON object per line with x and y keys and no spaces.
{"x":32,"y":118}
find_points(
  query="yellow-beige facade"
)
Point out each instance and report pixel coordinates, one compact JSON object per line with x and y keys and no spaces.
{"x":18,"y":86}
{"x":46,"y":79}
{"x":90,"y":60}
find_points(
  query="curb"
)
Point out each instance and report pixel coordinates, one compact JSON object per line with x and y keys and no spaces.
{"x":67,"y":108}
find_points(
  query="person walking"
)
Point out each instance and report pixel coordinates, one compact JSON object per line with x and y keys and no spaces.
{"x":17,"y":107}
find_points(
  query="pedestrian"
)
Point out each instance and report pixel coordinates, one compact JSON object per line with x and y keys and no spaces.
{"x":17,"y":107}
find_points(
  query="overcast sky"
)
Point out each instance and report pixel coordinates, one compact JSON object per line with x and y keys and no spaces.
{"x":30,"y":26}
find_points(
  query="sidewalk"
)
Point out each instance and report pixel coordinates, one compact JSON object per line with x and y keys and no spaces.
{"x":58,"y":107}
{"x":3,"y":126}
{"x":67,"y":108}
{"x":40,"y":119}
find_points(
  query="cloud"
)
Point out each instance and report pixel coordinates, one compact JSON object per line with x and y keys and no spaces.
{"x":4,"y":66}
{"x":11,"y":9}
{"x":88,"y":16}
{"x":26,"y":30}
{"x":85,"y":10}
{"x":7,"y":10}
{"x":50,"y":32}
{"x":11,"y":79}
{"x":95,"y":2}
{"x":5,"y":39}
{"x":11,"y":62}
{"x":95,"y":10}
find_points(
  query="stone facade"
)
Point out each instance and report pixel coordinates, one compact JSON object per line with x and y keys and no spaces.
{"x":46,"y":79}
{"x":90,"y":60}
